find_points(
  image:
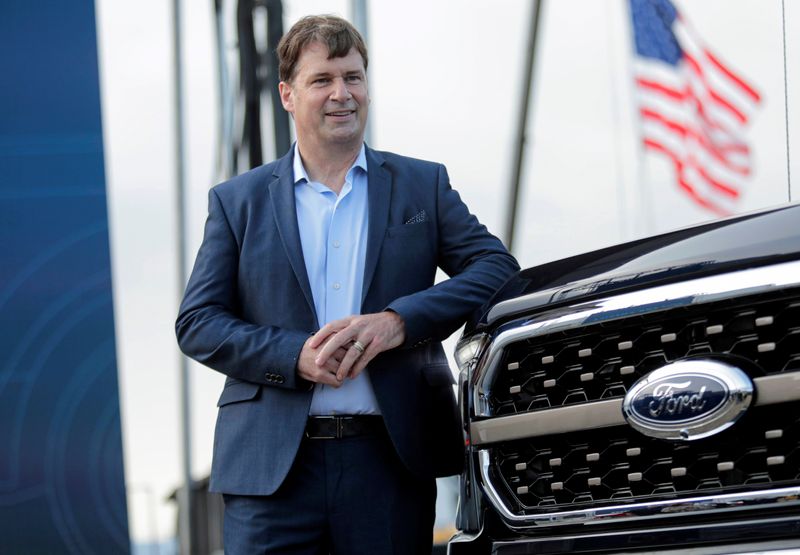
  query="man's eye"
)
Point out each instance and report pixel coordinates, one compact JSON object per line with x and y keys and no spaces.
{"x":320,"y":81}
{"x":354,"y":78}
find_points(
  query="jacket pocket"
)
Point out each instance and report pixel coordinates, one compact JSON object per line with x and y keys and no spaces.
{"x":407,"y":230}
{"x":438,"y":374}
{"x":235,"y":392}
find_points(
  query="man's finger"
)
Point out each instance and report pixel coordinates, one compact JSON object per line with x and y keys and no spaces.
{"x":338,"y":356}
{"x":327,"y":330}
{"x":331,"y":367}
{"x":327,"y":376}
{"x":369,"y":353}
{"x":319,"y":338}
{"x":347,"y":363}
{"x":336,"y":342}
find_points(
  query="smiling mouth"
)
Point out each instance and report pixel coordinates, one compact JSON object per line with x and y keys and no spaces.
{"x":342,"y":113}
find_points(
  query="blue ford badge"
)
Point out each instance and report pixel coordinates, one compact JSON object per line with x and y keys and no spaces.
{"x":688,"y":400}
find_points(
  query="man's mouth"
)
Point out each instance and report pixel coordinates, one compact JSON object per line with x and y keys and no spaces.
{"x":341,"y":113}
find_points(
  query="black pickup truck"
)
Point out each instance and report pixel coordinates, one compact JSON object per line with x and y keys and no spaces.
{"x":644,"y":398}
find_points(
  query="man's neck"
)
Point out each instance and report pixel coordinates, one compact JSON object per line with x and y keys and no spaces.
{"x":328,"y":166}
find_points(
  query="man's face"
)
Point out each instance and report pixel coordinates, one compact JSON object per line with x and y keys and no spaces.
{"x":328,"y":98}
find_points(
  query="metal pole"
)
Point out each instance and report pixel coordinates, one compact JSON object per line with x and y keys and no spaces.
{"x":360,"y":21}
{"x":280,"y":117}
{"x":225,"y":162}
{"x":786,"y":103}
{"x":522,"y":123}
{"x":184,"y":493}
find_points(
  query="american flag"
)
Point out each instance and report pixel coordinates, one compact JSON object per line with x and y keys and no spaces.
{"x":694,"y":109}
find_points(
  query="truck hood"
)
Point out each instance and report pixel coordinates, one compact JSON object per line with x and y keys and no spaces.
{"x":739,"y":242}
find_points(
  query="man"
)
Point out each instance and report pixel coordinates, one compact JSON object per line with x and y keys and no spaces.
{"x":329,"y":440}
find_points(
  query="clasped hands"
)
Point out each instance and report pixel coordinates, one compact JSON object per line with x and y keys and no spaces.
{"x":343,"y":348}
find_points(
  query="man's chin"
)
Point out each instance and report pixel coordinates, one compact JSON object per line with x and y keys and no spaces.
{"x":342,"y":137}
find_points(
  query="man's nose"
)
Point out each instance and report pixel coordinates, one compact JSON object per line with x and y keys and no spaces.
{"x":340,"y":90}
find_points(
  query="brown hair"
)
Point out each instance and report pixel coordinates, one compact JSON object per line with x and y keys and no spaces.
{"x":332,"y":31}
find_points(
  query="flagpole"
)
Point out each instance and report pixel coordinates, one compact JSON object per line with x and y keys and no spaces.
{"x":184,"y":493}
{"x":522,"y":124}
{"x":358,"y":9}
{"x":641,"y":190}
{"x":618,"y":105}
{"x":786,"y":106}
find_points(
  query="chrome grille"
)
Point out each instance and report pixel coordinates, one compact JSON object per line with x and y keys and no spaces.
{"x":546,"y":423}
{"x":619,"y":465}
{"x":603,"y":361}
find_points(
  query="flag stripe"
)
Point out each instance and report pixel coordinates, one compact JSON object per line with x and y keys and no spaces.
{"x":733,"y":77}
{"x":681,"y":166}
{"x":695,"y":157}
{"x":718,"y":185}
{"x":687,"y":132}
{"x":687,"y":94}
{"x":726,"y":83}
{"x":704,"y":202}
{"x":722,"y":101}
{"x":685,"y":185}
{"x":660,"y":88}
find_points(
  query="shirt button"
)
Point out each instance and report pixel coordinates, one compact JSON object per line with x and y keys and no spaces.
{"x":337,"y":285}
{"x":336,"y":244}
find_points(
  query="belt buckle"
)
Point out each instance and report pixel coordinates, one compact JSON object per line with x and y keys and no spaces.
{"x":338,"y":433}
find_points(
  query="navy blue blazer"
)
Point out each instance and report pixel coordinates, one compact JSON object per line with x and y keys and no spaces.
{"x":248,"y":309}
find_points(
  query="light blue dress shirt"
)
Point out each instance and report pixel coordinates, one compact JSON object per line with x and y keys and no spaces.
{"x":333,"y":233}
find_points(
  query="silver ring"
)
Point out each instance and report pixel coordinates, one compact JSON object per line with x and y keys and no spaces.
{"x":359,"y":346}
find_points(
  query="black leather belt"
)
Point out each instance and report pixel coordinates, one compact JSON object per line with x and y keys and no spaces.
{"x":338,"y":427}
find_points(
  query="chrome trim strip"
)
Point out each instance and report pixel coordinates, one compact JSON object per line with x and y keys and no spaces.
{"x":656,"y":299}
{"x":754,"y":546}
{"x":620,"y":513}
{"x":779,"y":388}
{"x":546,"y":422}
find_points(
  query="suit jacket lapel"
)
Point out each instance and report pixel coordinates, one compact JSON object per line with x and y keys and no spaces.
{"x":379,"y":194}
{"x":285,"y":211}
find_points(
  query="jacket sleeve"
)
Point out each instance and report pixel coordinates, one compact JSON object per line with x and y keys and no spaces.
{"x":474,"y":259}
{"x":208,"y":327}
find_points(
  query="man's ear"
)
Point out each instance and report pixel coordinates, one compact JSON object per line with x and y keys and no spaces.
{"x":285,"y":90}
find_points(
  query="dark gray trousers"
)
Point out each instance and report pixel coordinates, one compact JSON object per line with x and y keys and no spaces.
{"x":348,"y":496}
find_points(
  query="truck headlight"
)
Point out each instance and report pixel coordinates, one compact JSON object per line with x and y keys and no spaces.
{"x":468,"y":350}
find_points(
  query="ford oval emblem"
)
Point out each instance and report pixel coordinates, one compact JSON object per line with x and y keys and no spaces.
{"x":689,"y":399}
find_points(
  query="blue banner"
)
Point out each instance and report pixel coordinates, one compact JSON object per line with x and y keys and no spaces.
{"x":61,"y":473}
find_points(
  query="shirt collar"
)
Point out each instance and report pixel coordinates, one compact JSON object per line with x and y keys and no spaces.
{"x":300,"y":173}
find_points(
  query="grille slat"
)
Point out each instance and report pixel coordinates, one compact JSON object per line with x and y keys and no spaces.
{"x":622,"y":465}
{"x":605,"y":360}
